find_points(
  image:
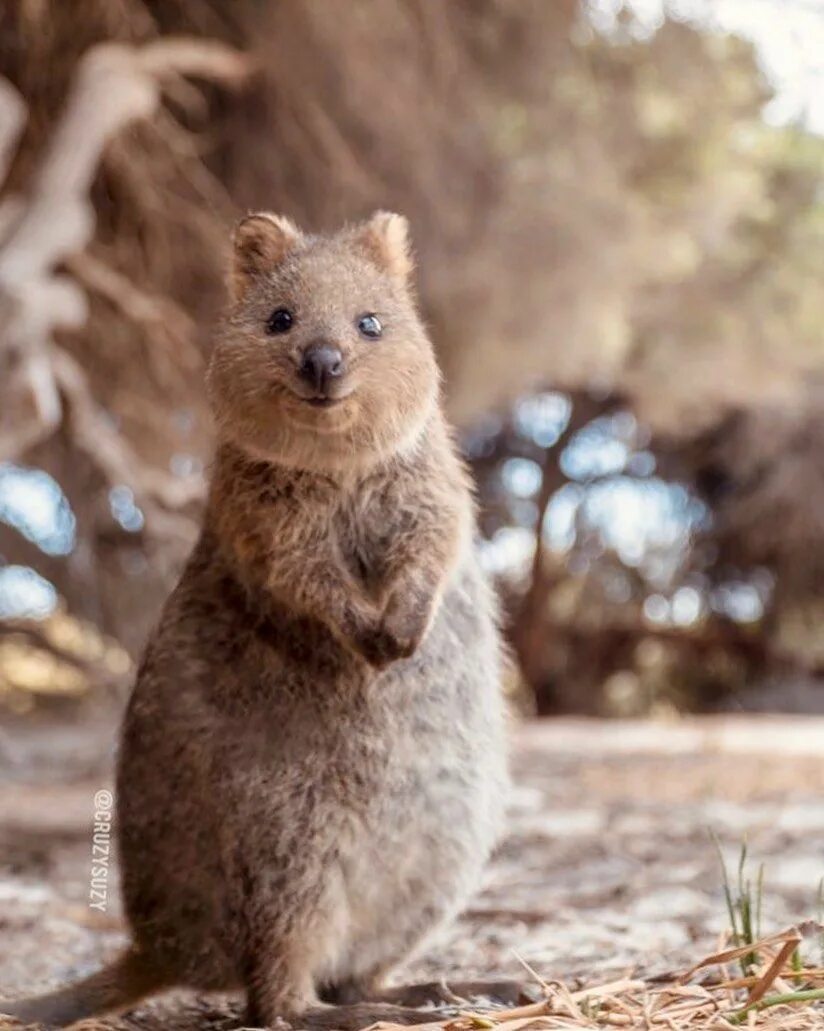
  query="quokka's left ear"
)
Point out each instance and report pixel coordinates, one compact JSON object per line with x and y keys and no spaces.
{"x":385,"y":238}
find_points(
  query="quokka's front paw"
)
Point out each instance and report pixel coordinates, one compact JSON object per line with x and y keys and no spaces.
{"x":381,"y":647}
{"x":399,"y":633}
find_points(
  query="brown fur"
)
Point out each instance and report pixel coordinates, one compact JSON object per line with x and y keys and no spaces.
{"x":311,"y":766}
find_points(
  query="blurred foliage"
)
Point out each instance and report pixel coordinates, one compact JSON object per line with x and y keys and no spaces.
{"x":608,"y":214}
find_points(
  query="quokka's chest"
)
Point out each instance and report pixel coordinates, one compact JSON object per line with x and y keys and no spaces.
{"x":364,"y":530}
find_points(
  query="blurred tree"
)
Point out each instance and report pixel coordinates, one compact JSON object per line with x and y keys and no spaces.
{"x":605,"y":212}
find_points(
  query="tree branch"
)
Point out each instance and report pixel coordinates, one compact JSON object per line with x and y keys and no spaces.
{"x":114,"y":84}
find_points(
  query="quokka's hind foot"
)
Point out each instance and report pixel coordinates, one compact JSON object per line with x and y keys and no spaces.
{"x":459,"y":993}
{"x":435,"y":993}
{"x":360,"y":1015}
{"x":416,"y":1004}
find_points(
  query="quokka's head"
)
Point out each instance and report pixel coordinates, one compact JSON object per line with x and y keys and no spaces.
{"x":322,"y":361}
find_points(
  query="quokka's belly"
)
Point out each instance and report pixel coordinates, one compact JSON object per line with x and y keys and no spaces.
{"x":415,"y":862}
{"x":437,"y":813}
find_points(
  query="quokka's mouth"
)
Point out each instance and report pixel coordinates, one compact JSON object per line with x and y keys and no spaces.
{"x":321,"y":401}
{"x":324,"y":402}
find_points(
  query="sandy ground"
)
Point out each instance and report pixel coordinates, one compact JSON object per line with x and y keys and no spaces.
{"x":608,"y":866}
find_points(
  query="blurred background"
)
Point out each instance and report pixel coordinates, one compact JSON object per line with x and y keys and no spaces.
{"x":619,"y":219}
{"x":617,"y":209}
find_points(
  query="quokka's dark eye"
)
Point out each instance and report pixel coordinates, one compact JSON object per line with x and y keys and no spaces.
{"x":280,"y":321}
{"x":370,"y":326}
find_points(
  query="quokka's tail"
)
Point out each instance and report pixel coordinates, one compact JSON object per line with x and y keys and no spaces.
{"x":115,"y":987}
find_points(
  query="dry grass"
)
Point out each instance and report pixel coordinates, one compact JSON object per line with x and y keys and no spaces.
{"x":780,"y":993}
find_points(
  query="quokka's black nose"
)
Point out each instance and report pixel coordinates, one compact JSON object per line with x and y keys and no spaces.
{"x":321,"y":364}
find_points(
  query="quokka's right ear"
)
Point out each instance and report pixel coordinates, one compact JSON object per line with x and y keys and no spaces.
{"x":261,"y":242}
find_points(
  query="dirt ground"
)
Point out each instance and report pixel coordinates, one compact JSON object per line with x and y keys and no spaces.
{"x":608,"y":867}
